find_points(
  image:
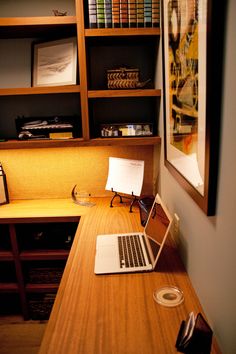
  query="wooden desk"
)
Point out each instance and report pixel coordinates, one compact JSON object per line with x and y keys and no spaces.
{"x":115,"y":314}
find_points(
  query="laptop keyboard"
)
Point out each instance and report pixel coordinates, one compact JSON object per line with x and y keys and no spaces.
{"x":130,"y":251}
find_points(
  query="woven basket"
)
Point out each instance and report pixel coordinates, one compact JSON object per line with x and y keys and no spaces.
{"x":122,"y":78}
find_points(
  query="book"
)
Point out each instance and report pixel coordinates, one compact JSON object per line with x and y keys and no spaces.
{"x":132,"y":16}
{"x":147,"y":13}
{"x":92,"y":9}
{"x":100,"y":14}
{"x":140,"y":13}
{"x":115,"y":13}
{"x":108,"y":13}
{"x":155,"y":13}
{"x":124,"y":13}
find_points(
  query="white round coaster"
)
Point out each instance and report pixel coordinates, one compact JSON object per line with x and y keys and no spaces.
{"x":169,"y":296}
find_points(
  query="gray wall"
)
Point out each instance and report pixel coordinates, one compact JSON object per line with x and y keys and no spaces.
{"x":208,"y":244}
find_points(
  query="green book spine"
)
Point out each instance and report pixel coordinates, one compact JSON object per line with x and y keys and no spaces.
{"x":100,"y":14}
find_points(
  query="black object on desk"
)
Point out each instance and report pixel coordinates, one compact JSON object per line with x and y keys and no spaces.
{"x":198,"y":341}
{"x":145,"y":205}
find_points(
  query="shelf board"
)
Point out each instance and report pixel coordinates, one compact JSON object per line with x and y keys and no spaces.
{"x":151,"y":140}
{"x":39,"y":90}
{"x":44,"y":143}
{"x":18,"y":27}
{"x":33,"y":255}
{"x":124,"y":93}
{"x":107,"y":32}
{"x":6,"y":256}
{"x":35,"y":20}
{"x":34,"y":144}
{"x":39,"y":288}
{"x":8,"y":288}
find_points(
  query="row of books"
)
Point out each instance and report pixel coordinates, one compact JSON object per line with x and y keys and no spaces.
{"x":123,"y":13}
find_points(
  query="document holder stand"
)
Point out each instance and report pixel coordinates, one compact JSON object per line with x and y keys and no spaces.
{"x":134,"y":199}
{"x":200,"y":340}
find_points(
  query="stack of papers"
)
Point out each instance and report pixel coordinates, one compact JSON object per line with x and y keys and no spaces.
{"x":125,"y":176}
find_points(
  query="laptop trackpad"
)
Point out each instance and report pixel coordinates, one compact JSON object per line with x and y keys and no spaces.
{"x":106,"y":254}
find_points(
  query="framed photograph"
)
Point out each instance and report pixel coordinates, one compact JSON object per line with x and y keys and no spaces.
{"x":192,"y":61}
{"x":55,"y":63}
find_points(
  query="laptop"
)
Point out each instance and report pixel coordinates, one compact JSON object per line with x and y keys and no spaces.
{"x":136,"y":251}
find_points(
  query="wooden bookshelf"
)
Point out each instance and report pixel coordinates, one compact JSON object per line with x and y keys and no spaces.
{"x":46,"y":28}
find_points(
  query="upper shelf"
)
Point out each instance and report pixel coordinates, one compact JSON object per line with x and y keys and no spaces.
{"x":124,"y":93}
{"x":39,"y":90}
{"x":42,"y":20}
{"x":18,"y":27}
{"x":106,"y":32}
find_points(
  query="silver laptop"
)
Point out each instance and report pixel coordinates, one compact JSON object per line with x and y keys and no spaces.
{"x":134,"y":252}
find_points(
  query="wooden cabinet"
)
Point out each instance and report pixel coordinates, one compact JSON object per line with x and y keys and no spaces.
{"x":33,"y":255}
{"x":23,"y":22}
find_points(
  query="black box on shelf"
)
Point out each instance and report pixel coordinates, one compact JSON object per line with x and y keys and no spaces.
{"x":59,"y":127}
{"x":126,"y":130}
{"x":45,"y":275}
{"x":40,"y":305}
{"x":145,"y":205}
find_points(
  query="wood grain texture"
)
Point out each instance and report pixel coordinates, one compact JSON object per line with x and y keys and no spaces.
{"x":115,"y":313}
{"x":42,"y":209}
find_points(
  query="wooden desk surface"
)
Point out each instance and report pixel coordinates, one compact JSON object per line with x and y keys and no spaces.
{"x":115,"y":314}
{"x":19,"y":210}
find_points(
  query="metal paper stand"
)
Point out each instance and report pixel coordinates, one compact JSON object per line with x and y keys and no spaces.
{"x":134,"y":199}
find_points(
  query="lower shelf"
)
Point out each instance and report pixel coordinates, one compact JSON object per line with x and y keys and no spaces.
{"x":40,"y":305}
{"x":8,"y":288}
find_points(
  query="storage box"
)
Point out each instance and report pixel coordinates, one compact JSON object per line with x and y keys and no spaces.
{"x":122,"y":78}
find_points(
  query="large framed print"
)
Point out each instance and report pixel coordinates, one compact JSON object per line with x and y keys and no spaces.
{"x":55,"y":62}
{"x":192,"y":87}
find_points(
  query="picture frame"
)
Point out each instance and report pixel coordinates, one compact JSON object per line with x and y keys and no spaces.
{"x":55,"y":63}
{"x":192,"y":47}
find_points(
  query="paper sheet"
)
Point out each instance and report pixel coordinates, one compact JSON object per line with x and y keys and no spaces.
{"x":125,"y":176}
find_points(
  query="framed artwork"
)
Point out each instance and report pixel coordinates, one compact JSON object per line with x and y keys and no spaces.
{"x":192,"y":61}
{"x":55,"y":63}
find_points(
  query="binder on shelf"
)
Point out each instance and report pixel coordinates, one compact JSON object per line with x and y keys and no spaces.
{"x":124,"y":13}
{"x":147,"y":13}
{"x":115,"y":13}
{"x":155,"y":13}
{"x":132,"y":15}
{"x":100,"y":14}
{"x":140,"y":13}
{"x":108,"y":13}
{"x":92,"y":8}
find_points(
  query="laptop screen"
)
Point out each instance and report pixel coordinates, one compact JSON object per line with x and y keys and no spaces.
{"x":157,"y":226}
